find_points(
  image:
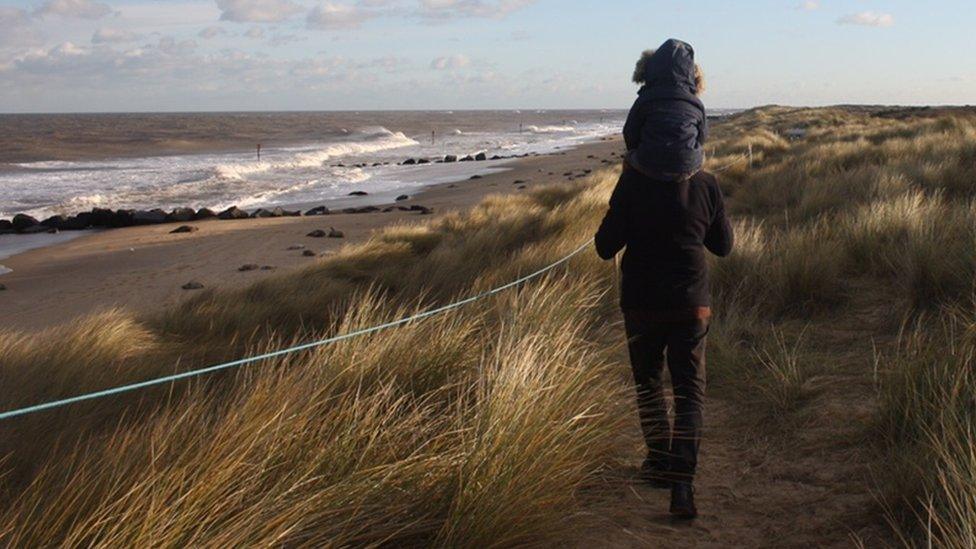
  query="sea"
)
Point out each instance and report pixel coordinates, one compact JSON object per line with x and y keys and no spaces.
{"x":64,"y":164}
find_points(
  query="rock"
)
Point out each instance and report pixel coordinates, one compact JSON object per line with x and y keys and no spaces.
{"x":402,"y":197}
{"x":568,"y":174}
{"x":54,"y":222}
{"x":389,"y":209}
{"x":475,"y":177}
{"x":358,"y":193}
{"x":367,"y":209}
{"x":451,"y":158}
{"x":78,"y":222}
{"x":291,"y":213}
{"x":35,"y":229}
{"x":6,"y":225}
{"x":184,"y":229}
{"x":233,"y":213}
{"x":518,"y":182}
{"x":151,"y":217}
{"x":349,"y":210}
{"x":192,"y":285}
{"x":309,"y":253}
{"x":481,"y":157}
{"x":409,"y":162}
{"x":424,"y":210}
{"x":467,"y":158}
{"x":587,"y":171}
{"x":248,"y":267}
{"x":405,"y":208}
{"x":317,"y":233}
{"x":3,"y":288}
{"x":294,"y":247}
{"x":318,"y":210}
{"x":182,"y":214}
{"x":590,"y":156}
{"x":122,"y":218}
{"x":262,"y":213}
{"x":335,"y":233}
{"x":23,"y":221}
{"x":204,"y":213}
{"x":520,"y":187}
{"x":496,"y":157}
{"x":101,"y":217}
{"x":423,"y":161}
{"x":452,"y":186}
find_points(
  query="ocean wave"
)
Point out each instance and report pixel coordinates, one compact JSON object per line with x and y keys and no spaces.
{"x":371,"y":140}
{"x":551,"y":129}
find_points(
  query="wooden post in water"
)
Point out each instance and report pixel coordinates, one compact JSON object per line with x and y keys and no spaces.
{"x":259,"y":152}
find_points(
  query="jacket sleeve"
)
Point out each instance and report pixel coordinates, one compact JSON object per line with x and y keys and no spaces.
{"x":612,"y":235}
{"x":634,"y":126}
{"x":703,"y":130}
{"x":719,"y":238}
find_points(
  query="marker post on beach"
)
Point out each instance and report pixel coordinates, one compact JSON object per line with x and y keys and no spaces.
{"x":259,"y":152}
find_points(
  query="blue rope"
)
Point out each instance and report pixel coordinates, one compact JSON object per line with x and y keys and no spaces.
{"x":273,"y":354}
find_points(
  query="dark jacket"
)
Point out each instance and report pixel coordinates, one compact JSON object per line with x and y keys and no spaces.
{"x":666,"y":227}
{"x":667,"y":126}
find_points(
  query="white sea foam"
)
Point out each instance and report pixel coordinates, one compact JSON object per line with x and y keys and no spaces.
{"x":551,"y":129}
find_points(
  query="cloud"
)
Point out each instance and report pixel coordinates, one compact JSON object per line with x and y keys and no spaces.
{"x":16,"y":29}
{"x":449,"y":9}
{"x":213,"y":31}
{"x":281,"y":39}
{"x":332,"y":16}
{"x":257,"y":11}
{"x":106,"y":35}
{"x":255,"y":33}
{"x":809,"y":5}
{"x":81,"y":9}
{"x":451,"y":62}
{"x":868,"y":19}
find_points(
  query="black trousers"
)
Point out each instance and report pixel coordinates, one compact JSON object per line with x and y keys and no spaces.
{"x":681,"y":346}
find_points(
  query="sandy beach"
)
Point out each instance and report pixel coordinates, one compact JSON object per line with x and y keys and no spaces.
{"x":143,"y":269}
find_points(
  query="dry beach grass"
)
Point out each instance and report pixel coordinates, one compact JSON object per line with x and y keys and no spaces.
{"x":844,"y":325}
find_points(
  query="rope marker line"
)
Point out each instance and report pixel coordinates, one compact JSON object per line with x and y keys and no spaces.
{"x":282,"y":352}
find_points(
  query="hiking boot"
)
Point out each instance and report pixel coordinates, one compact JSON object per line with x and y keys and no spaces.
{"x":683,"y":501}
{"x":654,"y":475}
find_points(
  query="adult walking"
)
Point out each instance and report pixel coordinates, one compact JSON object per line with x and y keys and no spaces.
{"x":666,"y":211}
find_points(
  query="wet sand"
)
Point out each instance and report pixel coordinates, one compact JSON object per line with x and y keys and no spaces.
{"x":142,"y":269}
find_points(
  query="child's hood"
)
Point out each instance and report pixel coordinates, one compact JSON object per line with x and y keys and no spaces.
{"x":673,"y":64}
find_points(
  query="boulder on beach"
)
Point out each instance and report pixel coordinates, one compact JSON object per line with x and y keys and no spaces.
{"x":233,"y":213}
{"x":182,"y":214}
{"x":467,"y":158}
{"x":192,"y":285}
{"x":22,"y":222}
{"x":294,"y":247}
{"x":409,"y":162}
{"x":291,"y":213}
{"x":149,"y":217}
{"x":451,"y":158}
{"x":481,"y":156}
{"x":318,"y":210}
{"x":184,"y":229}
{"x":402,"y":197}
{"x":248,"y":267}
{"x":389,"y":209}
{"x":424,"y":210}
{"x":261,"y":213}
{"x":3,"y":288}
{"x":475,"y":177}
{"x":423,"y":161}
{"x":122,"y":218}
{"x":358,"y":193}
{"x":54,"y":222}
{"x":496,"y":157}
{"x":317,"y":233}
{"x":78,"y":222}
{"x":204,"y":213}
{"x":309,"y":253}
{"x":335,"y":233}
{"x":101,"y":217}
{"x":6,"y":225}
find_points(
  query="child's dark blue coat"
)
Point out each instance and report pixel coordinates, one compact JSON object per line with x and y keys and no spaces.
{"x":667,"y":127}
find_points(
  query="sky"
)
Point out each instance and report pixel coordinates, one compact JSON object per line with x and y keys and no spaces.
{"x":219,"y":55}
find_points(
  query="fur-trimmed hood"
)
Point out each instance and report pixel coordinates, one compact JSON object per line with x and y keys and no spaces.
{"x":670,"y":66}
